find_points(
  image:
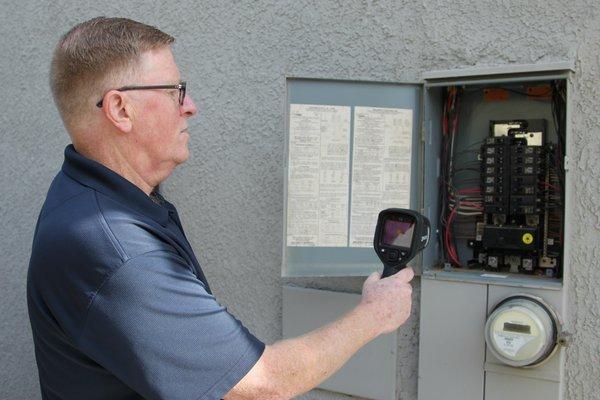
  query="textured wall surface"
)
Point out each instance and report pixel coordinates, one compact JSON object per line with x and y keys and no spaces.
{"x":235,"y":56}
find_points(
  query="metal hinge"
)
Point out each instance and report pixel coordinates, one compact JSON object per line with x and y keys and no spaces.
{"x":566,"y":165}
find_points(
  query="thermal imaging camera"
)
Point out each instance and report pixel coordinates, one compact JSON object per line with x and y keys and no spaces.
{"x":399,"y":236}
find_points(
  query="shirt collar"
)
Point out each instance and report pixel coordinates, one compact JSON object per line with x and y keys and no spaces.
{"x":95,"y":175}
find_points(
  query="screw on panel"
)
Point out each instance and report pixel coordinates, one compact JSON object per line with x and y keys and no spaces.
{"x":564,"y":339}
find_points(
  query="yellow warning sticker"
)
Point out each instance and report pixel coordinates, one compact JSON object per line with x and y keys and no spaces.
{"x":527,"y":238}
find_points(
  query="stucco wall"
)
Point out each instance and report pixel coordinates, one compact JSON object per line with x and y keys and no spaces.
{"x":235,"y":56}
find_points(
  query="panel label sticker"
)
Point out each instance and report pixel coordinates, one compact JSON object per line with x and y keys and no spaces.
{"x":318,"y":175}
{"x":381,"y":163}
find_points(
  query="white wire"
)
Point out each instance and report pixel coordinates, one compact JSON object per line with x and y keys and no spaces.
{"x":469,"y":213}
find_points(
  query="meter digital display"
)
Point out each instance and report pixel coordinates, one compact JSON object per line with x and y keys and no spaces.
{"x":518,"y":328}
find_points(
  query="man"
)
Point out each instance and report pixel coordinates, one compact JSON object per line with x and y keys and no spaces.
{"x":119,"y":306}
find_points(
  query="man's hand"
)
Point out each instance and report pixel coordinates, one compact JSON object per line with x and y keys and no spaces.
{"x":389,"y":299}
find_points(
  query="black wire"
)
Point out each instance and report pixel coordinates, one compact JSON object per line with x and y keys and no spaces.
{"x":521,"y":93}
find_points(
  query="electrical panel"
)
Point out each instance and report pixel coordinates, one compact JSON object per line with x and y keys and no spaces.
{"x":488,"y":172}
{"x":482,"y":154}
{"x":501,"y":177}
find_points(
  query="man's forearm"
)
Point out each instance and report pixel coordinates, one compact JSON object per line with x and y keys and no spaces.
{"x":293,"y":366}
{"x":302,"y":363}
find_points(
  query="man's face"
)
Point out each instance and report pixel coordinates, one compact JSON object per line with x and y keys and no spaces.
{"x":160,"y":126}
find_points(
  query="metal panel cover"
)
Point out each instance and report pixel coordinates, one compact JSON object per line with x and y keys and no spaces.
{"x":347,"y":261}
{"x":371,"y":372}
{"x":451,"y":345}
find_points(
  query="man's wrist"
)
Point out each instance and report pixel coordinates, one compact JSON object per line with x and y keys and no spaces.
{"x":365,"y":315}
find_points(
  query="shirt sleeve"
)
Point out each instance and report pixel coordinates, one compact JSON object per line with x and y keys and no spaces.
{"x":154,"y":326}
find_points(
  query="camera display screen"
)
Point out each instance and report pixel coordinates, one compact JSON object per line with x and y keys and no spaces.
{"x":398,"y":233}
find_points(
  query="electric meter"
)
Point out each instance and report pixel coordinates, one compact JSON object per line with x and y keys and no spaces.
{"x":522,"y":331}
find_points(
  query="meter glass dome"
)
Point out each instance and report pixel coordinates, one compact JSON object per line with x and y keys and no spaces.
{"x":522,"y":331}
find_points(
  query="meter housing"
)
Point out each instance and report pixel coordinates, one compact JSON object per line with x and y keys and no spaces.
{"x":522,"y":331}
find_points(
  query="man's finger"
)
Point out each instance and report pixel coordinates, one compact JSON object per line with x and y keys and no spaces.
{"x":405,"y":275}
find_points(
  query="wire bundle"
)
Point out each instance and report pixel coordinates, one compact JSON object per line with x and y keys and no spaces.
{"x":554,"y":185}
{"x":552,"y":190}
{"x":456,"y":202}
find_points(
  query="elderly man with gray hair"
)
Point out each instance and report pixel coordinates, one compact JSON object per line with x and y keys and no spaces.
{"x":118,"y":303}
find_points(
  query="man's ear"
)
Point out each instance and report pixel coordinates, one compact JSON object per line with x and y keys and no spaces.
{"x":118,"y":111}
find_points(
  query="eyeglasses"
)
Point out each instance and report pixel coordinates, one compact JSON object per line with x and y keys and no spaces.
{"x":180,"y":86}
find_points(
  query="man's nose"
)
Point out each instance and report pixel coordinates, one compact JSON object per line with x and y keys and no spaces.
{"x":188,"y":108}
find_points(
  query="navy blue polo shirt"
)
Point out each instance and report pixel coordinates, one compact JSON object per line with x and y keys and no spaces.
{"x":118,"y":304}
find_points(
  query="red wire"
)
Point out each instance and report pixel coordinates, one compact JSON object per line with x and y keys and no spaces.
{"x":469,"y":190}
{"x":448,"y":239}
{"x":452,"y":106}
{"x":550,"y":186}
{"x":472,"y":204}
{"x":445,"y":119}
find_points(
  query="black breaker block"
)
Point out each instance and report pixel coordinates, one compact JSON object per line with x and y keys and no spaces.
{"x":495,"y":174}
{"x":510,"y":175}
{"x":516,"y":172}
{"x":510,"y":238}
{"x":526,"y":171}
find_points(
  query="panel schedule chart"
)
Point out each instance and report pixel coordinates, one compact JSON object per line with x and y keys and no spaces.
{"x":350,"y":152}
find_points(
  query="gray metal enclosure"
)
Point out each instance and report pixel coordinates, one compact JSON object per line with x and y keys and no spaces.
{"x":236,"y":56}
